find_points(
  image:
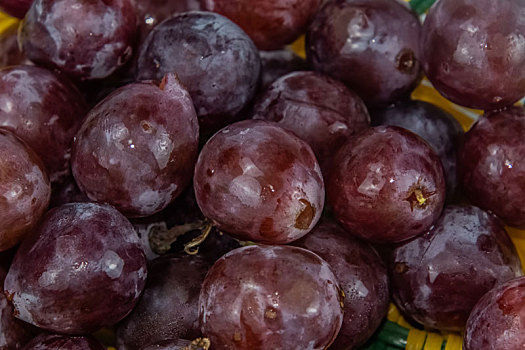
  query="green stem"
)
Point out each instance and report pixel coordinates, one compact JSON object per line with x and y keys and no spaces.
{"x":421,"y":6}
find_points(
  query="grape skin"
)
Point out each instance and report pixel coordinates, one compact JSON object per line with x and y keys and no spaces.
{"x":16,"y":8}
{"x":276,"y":64}
{"x":55,"y":342}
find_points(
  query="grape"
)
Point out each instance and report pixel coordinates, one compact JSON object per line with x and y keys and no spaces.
{"x":386,"y":185}
{"x":438,"y":277}
{"x":169,"y":306}
{"x":270,"y":297}
{"x":363,"y":278}
{"x":24,"y":190}
{"x":83,"y":269}
{"x":370,"y":45}
{"x":318,"y":109}
{"x":10,"y":54}
{"x":472,"y":51}
{"x":181,"y":344}
{"x":275,"y":64}
{"x":270,"y":23}
{"x":86,"y":39}
{"x":440,"y":129}
{"x":67,"y":192}
{"x":214,"y":59}
{"x":491,"y":164}
{"x":16,"y":8}
{"x":496,"y":322}
{"x":45,"y":110}
{"x":259,"y":182}
{"x":55,"y":342}
{"x":137,"y":148}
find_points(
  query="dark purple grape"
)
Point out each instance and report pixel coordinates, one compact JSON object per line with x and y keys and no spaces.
{"x":181,"y":344}
{"x":214,"y":59}
{"x":169,"y":305}
{"x":275,"y":64}
{"x":45,"y":110}
{"x":137,"y":148}
{"x":386,"y":185}
{"x":270,"y":23}
{"x":472,"y":51}
{"x":83,"y":269}
{"x":492,"y":164}
{"x":57,"y":342}
{"x":10,"y":53}
{"x":436,"y":126}
{"x":438,"y":277}
{"x":270,"y":297}
{"x":497,"y":322}
{"x":259,"y":182}
{"x":370,"y":45}
{"x":318,"y":109}
{"x":86,"y":39}
{"x":24,"y":190}
{"x":16,"y":8}
{"x":362,"y":276}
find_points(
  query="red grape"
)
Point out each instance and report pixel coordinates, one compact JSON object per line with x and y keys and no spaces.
{"x":270,"y":297}
{"x":259,"y":182}
{"x":10,"y":53}
{"x":180,"y":344}
{"x":57,"y":342}
{"x":492,"y":168}
{"x":137,"y":148}
{"x":473,"y":51}
{"x":86,"y":39}
{"x":275,"y":64}
{"x":83,"y":269}
{"x":370,"y":45}
{"x":16,"y":8}
{"x":45,"y":110}
{"x":386,"y":185}
{"x":24,"y":190}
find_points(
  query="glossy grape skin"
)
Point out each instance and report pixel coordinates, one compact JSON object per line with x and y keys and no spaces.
{"x":492,"y":172}
{"x":438,"y":277}
{"x":271,"y":24}
{"x":24,"y":190}
{"x":370,"y":45}
{"x":15,"y":8}
{"x":83,"y":38}
{"x":45,"y":110}
{"x":270,"y":297}
{"x":317,"y":108}
{"x":362,"y":276}
{"x":472,"y":51}
{"x":216,"y":61}
{"x":169,"y":305}
{"x":275,"y":64}
{"x":137,"y":148}
{"x":496,"y":322}
{"x":436,"y":126}
{"x":386,"y":185}
{"x":259,"y":182}
{"x":55,"y":341}
{"x":83,"y":269}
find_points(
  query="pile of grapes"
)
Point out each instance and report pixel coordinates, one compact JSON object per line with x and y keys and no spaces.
{"x":163,"y":177}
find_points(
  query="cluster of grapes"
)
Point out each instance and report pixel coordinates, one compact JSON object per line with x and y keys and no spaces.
{"x":162,"y":176}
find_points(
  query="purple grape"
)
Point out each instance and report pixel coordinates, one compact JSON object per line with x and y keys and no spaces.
{"x":270,"y":23}
{"x":440,"y":129}
{"x":259,"y":182}
{"x":137,"y":148}
{"x":275,"y":64}
{"x":10,"y":53}
{"x":56,"y":342}
{"x":24,"y":190}
{"x":16,"y":8}
{"x":387,"y":185}
{"x":214,"y":59}
{"x":86,"y":39}
{"x":270,"y":297}
{"x":491,"y":164}
{"x":83,"y":269}
{"x":181,"y":344}
{"x":318,"y":109}
{"x":497,"y":320}
{"x":45,"y":110}
{"x":169,"y":306}
{"x":370,"y":45}
{"x":362,"y":276}
{"x":472,"y":51}
{"x":438,"y":277}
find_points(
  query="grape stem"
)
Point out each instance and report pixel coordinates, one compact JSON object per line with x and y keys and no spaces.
{"x":192,"y":247}
{"x":199,"y":344}
{"x":160,"y":240}
{"x":421,"y":6}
